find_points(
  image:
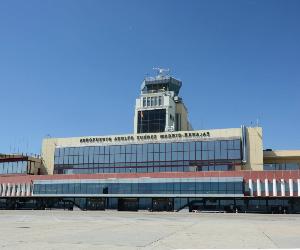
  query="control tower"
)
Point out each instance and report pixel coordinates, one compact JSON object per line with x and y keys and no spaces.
{"x":159,"y":107}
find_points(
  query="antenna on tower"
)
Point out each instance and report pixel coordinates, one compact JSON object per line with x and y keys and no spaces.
{"x":161,"y":71}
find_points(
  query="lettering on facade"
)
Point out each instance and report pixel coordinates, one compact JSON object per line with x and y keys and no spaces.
{"x":95,"y":139}
{"x":146,"y":137}
{"x":131,"y":138}
{"x":185,"y":135}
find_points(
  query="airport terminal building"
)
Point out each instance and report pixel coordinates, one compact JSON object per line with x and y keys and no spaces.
{"x":165,"y":165}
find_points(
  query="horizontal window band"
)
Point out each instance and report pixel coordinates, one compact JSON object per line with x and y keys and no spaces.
{"x":139,"y":195}
{"x":142,"y":180}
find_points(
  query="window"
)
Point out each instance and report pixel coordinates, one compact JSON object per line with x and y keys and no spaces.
{"x":152,"y":101}
{"x":223,"y":150}
{"x":151,"y":121}
{"x":160,"y":101}
{"x":149,"y":157}
{"x":282,"y":166}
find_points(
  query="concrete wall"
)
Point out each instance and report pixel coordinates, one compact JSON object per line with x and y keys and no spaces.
{"x":181,"y":109}
{"x":48,"y":149}
{"x":254,"y":149}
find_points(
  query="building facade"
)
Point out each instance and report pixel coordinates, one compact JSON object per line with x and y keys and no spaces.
{"x":163,"y":166}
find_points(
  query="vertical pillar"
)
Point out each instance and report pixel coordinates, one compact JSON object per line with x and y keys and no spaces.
{"x":298,"y":186}
{"x":0,"y":189}
{"x":8,"y":189}
{"x":251,"y":187}
{"x":23,"y":189}
{"x":274,"y":188}
{"x":28,"y":189}
{"x":18,"y":189}
{"x":267,"y":188}
{"x":258,"y":187}
{"x":291,"y":188}
{"x":13,"y":189}
{"x":282,"y":187}
{"x":3,"y":189}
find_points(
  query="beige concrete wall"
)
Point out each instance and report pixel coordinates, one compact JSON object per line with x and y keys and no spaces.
{"x":48,"y":149}
{"x":35,"y":165}
{"x":254,"y":149}
{"x":182,"y":110}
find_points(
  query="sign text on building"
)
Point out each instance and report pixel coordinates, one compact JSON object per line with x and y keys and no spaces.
{"x":145,"y":137}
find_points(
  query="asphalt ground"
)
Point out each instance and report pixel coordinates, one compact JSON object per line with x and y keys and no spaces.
{"x":145,"y":230}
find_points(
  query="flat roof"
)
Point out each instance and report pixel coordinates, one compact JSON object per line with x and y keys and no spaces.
{"x":282,"y":154}
{"x":17,"y":157}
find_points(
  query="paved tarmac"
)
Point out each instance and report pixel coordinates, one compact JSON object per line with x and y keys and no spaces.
{"x":145,"y":230}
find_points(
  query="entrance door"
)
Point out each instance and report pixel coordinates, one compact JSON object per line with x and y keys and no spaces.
{"x":128,"y":204}
{"x":162,"y":204}
{"x":95,"y":204}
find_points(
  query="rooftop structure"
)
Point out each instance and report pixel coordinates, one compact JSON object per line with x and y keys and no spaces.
{"x":159,"y":107}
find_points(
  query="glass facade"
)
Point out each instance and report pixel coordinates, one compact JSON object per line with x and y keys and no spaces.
{"x":13,"y":167}
{"x":282,"y":166}
{"x":167,"y":188}
{"x":151,"y":121}
{"x":149,"y":157}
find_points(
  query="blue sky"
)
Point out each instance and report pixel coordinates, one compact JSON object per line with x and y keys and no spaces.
{"x":74,"y":68}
